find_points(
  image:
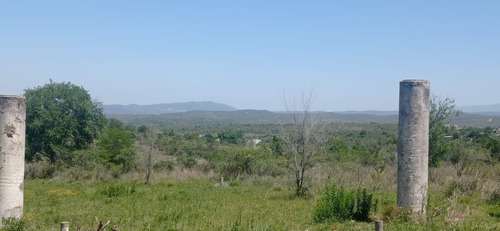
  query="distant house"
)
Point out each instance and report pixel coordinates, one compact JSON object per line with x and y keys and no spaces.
{"x":253,"y":142}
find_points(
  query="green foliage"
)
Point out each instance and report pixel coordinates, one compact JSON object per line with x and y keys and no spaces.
{"x":13,"y":224}
{"x":489,"y":140}
{"x":238,"y":161}
{"x":189,"y":161}
{"x":41,"y":169}
{"x":115,"y":190}
{"x":441,"y":112}
{"x":114,"y":123}
{"x":142,"y":129}
{"x":186,"y":205}
{"x":116,"y":145}
{"x":338,"y":146}
{"x":233,"y":137}
{"x":277,"y":146}
{"x":60,"y":118}
{"x":342,"y":205}
{"x":336,"y":203}
{"x":364,"y":205}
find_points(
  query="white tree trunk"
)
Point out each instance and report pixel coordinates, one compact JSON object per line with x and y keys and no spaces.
{"x":12,"y":138}
{"x":413,"y":144}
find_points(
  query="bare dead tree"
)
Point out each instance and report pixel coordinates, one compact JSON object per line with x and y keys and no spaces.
{"x":148,"y":141}
{"x":301,"y":138}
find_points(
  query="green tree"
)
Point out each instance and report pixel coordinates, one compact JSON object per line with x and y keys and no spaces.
{"x":116,"y":145}
{"x":60,"y":118}
{"x":441,"y":112}
{"x":277,"y":146}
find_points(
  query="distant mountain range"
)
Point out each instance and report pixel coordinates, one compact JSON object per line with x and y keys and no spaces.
{"x":244,"y":117}
{"x":482,"y":109}
{"x":165,"y":108}
{"x":206,"y":113}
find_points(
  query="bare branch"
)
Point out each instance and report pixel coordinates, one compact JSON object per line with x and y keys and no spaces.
{"x":302,"y":137}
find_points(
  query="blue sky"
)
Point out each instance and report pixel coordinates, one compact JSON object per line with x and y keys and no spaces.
{"x":247,"y":53}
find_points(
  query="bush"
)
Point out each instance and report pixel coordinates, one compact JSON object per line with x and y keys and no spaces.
{"x":189,"y":162}
{"x":238,"y":161}
{"x":41,"y":169}
{"x":342,"y":205}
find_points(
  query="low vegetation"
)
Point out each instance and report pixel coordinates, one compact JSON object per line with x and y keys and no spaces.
{"x":242,"y":177}
{"x":258,"y":191}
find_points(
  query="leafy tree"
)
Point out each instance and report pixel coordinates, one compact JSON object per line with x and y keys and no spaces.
{"x":116,"y":145}
{"x":60,"y":118}
{"x":277,"y":146}
{"x":440,"y":113}
{"x":338,"y":146}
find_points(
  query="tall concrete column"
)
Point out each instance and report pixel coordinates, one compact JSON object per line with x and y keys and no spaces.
{"x":413,"y":144}
{"x":12,"y":138}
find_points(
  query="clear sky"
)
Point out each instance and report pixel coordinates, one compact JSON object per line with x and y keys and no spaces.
{"x":246,"y":53}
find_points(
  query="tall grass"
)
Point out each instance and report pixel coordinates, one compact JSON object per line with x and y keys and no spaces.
{"x":198,"y":202}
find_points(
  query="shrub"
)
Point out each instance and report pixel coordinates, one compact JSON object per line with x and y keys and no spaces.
{"x":364,"y":204}
{"x":189,"y":162}
{"x":494,"y":206}
{"x":41,"y":169}
{"x":341,"y":205}
{"x":238,"y":161}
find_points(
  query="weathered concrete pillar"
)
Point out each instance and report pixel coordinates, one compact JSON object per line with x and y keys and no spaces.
{"x":12,"y":138}
{"x":379,"y":225}
{"x":413,"y":144}
{"x":64,"y":226}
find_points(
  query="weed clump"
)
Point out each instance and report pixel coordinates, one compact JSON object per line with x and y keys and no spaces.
{"x":115,"y":190}
{"x":13,"y":224}
{"x":342,"y":205}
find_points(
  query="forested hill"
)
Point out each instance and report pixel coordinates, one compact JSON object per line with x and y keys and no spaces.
{"x":267,"y":117}
{"x":243,"y":117}
{"x":164,"y":108}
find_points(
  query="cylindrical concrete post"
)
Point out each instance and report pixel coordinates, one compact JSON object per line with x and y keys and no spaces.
{"x":413,"y":144}
{"x":379,"y":225}
{"x":12,"y":138}
{"x":64,"y":226}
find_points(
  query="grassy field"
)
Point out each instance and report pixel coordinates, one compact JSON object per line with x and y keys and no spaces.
{"x":192,"y":205}
{"x":245,"y":204}
{"x":464,"y":190}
